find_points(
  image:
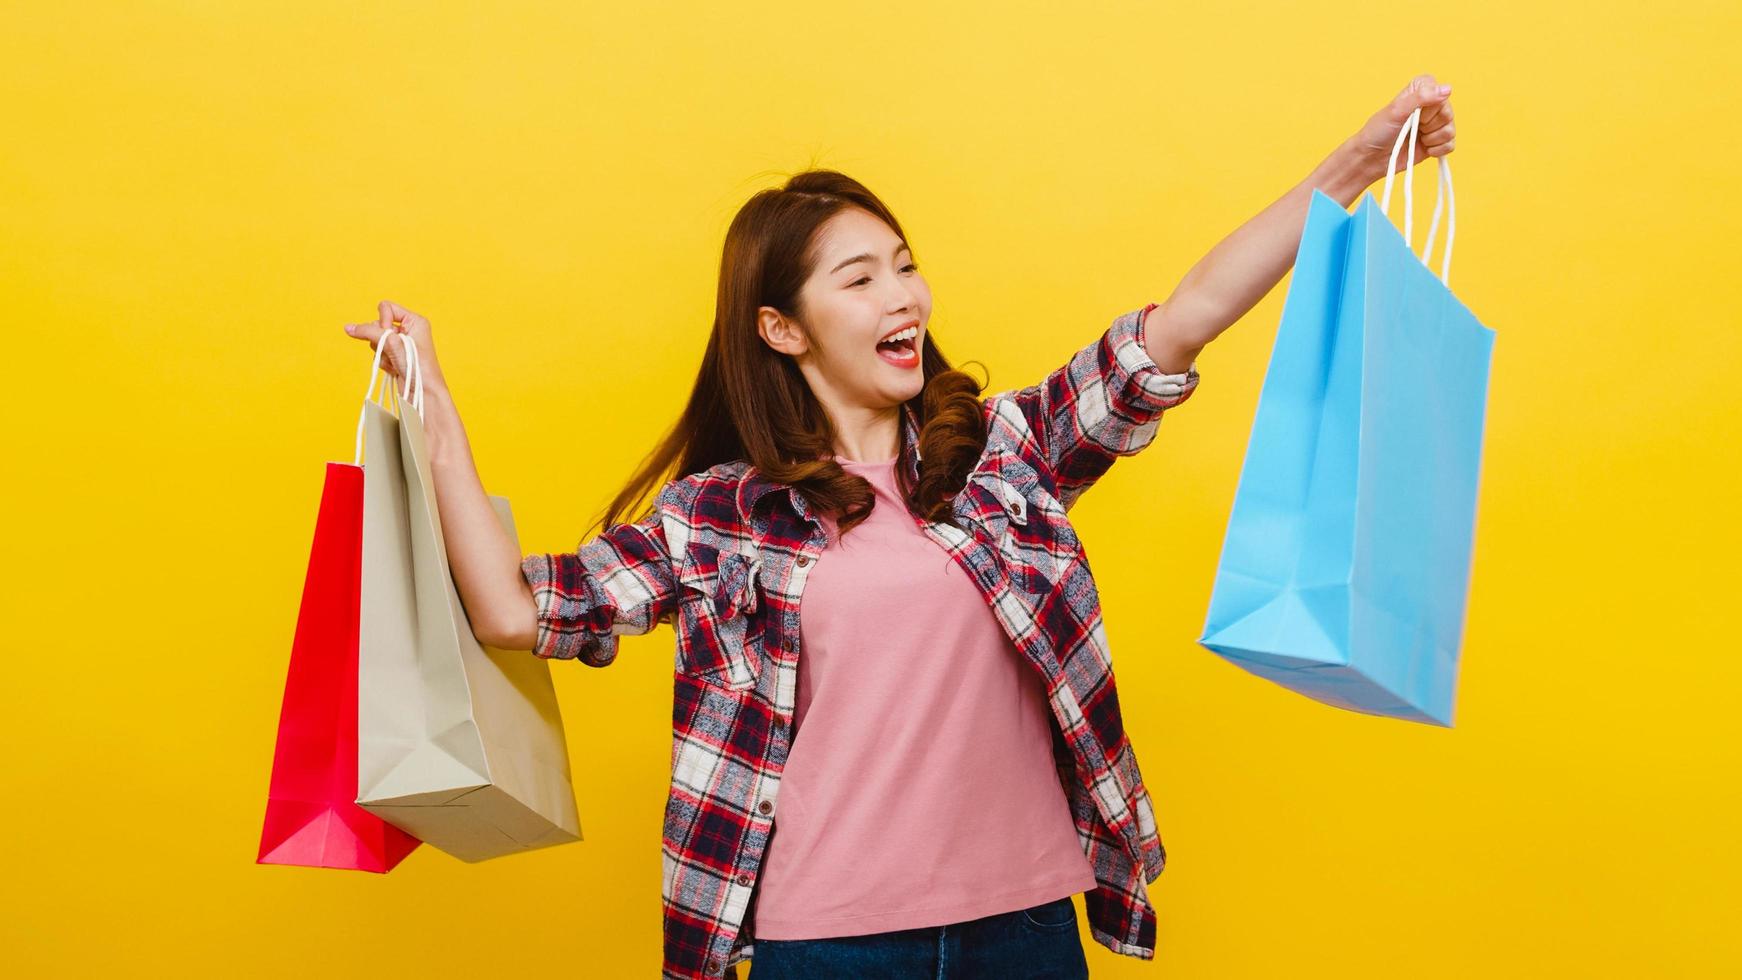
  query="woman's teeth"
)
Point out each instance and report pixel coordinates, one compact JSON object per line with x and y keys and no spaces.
{"x":899,"y":349}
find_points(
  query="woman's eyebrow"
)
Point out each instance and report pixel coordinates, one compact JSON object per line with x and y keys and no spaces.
{"x":866,"y":257}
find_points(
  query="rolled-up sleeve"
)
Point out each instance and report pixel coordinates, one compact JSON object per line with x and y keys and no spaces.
{"x":1106,"y":401}
{"x":622,"y":582}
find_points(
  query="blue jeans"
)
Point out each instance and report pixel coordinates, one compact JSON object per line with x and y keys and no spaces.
{"x":1036,"y":943}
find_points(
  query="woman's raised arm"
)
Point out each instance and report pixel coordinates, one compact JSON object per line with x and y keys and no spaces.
{"x":1242,"y":268}
{"x":484,"y":559}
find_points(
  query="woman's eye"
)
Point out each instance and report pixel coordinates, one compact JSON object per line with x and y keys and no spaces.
{"x":911,"y":266}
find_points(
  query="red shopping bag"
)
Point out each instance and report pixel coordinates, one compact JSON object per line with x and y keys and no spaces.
{"x":312,"y":818}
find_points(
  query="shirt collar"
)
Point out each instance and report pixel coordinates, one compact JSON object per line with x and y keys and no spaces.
{"x":755,"y":486}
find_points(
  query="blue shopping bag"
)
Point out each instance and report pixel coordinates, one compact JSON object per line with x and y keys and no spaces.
{"x":1346,"y":564}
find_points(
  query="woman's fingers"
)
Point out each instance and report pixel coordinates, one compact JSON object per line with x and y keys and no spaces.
{"x":412,"y":323}
{"x":1436,"y":135}
{"x":1439,"y":140}
{"x":1443,"y":134}
{"x":402,"y":328}
{"x":372,"y":333}
{"x":384,"y":315}
{"x":397,"y":312}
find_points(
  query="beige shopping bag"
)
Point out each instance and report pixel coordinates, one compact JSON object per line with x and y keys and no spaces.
{"x":459,"y":745}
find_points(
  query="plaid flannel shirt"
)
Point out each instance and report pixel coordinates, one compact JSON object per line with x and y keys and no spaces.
{"x":724,"y":555}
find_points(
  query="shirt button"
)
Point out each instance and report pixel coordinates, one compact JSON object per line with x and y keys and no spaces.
{"x":790,"y":643}
{"x":715,"y":966}
{"x":744,"y":879}
{"x":803,"y":560}
{"x":765,"y":807}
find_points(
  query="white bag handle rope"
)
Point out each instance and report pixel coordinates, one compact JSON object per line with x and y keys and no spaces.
{"x":413,"y":374}
{"x":1443,"y":198}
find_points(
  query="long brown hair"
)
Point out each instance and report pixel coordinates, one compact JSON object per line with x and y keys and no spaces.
{"x":751,"y":402}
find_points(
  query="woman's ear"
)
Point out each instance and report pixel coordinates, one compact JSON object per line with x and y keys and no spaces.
{"x":781,"y":332}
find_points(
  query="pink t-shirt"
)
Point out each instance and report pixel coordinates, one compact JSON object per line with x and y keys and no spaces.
{"x":920,"y":789}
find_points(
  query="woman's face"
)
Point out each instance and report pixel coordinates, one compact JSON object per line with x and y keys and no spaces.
{"x":863,"y":288}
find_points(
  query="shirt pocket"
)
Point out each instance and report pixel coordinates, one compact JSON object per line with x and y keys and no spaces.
{"x":1022,"y":518}
{"x":718,"y":598}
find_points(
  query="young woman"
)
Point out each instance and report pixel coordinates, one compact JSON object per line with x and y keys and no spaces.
{"x":962,"y":769}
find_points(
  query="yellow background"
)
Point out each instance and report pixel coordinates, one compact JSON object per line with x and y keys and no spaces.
{"x":194,"y":197}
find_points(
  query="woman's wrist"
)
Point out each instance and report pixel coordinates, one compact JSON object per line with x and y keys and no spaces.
{"x":432,"y":378}
{"x":444,"y":434}
{"x":1344,"y":174}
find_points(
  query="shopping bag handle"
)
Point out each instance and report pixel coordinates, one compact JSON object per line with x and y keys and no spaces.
{"x":1443,"y":198}
{"x":413,"y":378}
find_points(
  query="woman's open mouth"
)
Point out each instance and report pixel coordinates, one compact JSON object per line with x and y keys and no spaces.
{"x":901,"y":348}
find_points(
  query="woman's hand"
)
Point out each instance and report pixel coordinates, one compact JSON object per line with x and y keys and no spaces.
{"x":1371,"y":147}
{"x":393,"y":317}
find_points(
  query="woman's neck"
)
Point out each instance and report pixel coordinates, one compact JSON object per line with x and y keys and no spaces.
{"x":869,"y":436}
